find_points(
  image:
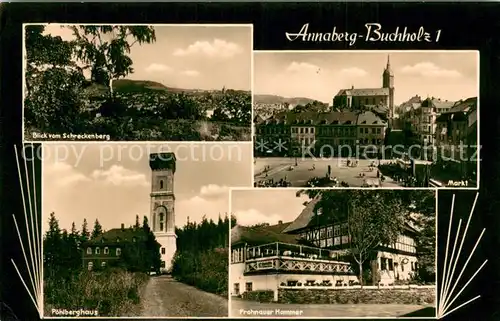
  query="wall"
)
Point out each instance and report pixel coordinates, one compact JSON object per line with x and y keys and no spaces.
{"x":422,"y":295}
{"x":388,"y":277}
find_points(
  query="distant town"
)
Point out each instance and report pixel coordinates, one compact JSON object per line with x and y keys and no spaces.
{"x":422,"y":142}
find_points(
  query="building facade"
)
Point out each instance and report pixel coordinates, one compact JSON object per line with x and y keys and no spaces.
{"x":162,"y":199}
{"x":456,"y":138}
{"x":324,"y":134}
{"x":356,"y":98}
{"x":303,"y":253}
{"x":107,"y":248}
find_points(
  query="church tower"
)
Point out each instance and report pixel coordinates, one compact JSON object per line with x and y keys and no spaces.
{"x":162,"y":215}
{"x":388,"y":82}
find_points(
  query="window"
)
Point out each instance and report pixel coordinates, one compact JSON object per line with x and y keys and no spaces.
{"x":306,"y":130}
{"x":89,"y":250}
{"x":412,"y":267}
{"x":118,"y":251}
{"x":106,"y":250}
{"x":248,"y":286}
{"x":162,"y":264}
{"x":236,"y":289}
{"x":161,"y":226}
{"x":312,"y":130}
{"x":97,"y":250}
{"x":329,"y":231}
{"x":301,"y":130}
{"x":90,"y":265}
{"x":391,"y":265}
{"x":373,"y":130}
{"x":366,"y":130}
{"x":161,"y":184}
{"x":322,"y":243}
{"x":103,"y":264}
{"x":378,"y":131}
{"x":402,"y":267}
{"x":361,"y":130}
{"x":162,"y":250}
{"x":329,"y":242}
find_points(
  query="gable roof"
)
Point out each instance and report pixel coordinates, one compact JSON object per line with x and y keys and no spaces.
{"x":304,"y":218}
{"x":369,"y":118}
{"x":364,"y":92}
{"x":124,"y":235}
{"x":261,"y":235}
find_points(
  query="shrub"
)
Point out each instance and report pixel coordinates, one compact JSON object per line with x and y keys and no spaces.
{"x":112,"y":292}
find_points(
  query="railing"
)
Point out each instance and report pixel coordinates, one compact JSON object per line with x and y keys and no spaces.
{"x":283,"y":263}
{"x":294,"y":251}
{"x":366,"y":287}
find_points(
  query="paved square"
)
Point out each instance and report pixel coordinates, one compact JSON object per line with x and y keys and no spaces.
{"x":307,"y":168}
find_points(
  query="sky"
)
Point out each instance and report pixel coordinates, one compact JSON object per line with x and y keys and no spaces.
{"x":255,"y":206}
{"x":111,"y":182}
{"x":320,"y":75}
{"x":190,"y":57}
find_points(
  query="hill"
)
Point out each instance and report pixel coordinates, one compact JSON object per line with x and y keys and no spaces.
{"x":274,"y":99}
{"x":145,"y":86}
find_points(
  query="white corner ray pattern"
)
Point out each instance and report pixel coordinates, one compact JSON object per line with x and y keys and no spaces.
{"x":448,"y":296}
{"x":32,"y":251}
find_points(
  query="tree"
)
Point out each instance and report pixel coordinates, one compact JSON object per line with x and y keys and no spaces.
{"x":104,"y":49}
{"x":85,"y":235}
{"x":97,"y":229}
{"x":52,"y":246}
{"x":152,"y":256}
{"x":137,"y":224}
{"x":54,"y":93}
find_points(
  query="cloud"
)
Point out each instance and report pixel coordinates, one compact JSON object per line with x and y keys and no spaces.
{"x":253,"y":216}
{"x":429,"y":69}
{"x":158,"y":68}
{"x":214,"y":190}
{"x":299,"y":67}
{"x":120,"y":176}
{"x":196,"y":207}
{"x":191,"y":73}
{"x":216,"y":48}
{"x":64,"y":175}
{"x":353,"y":72}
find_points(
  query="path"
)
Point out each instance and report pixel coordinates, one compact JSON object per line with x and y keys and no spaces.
{"x":241,"y":308}
{"x":165,"y":297}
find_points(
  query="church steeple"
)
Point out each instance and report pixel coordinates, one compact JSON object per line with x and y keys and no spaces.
{"x":388,"y":69}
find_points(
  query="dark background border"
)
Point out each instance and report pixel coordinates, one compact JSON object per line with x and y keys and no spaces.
{"x":464,"y":26}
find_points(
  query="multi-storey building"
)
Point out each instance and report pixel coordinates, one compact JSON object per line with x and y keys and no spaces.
{"x":327,"y":134}
{"x":425,"y":124}
{"x":106,"y":249}
{"x":371,"y":131}
{"x":308,"y":251}
{"x":456,"y":138}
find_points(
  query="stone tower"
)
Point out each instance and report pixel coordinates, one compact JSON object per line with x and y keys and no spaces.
{"x":162,"y":196}
{"x":388,"y":82}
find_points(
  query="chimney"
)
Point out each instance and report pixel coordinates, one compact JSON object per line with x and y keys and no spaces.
{"x":123,"y":226}
{"x":280,"y":222}
{"x":352,"y":87}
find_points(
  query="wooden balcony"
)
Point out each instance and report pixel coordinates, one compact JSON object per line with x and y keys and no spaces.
{"x":298,"y":265}
{"x":289,"y":258}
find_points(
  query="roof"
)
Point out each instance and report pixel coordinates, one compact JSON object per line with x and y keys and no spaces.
{"x":464,"y":106}
{"x":123,"y":235}
{"x":262,"y":235}
{"x":304,"y":218}
{"x":440,"y":104}
{"x":364,"y":92}
{"x":309,"y":118}
{"x":370,"y":118}
{"x":428,"y":103}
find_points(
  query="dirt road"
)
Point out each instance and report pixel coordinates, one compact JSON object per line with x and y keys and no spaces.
{"x":165,"y":297}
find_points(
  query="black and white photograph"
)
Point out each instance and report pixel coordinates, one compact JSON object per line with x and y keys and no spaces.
{"x":137,"y":82}
{"x":366,"y":119}
{"x":333,"y":253}
{"x":120,"y":241}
